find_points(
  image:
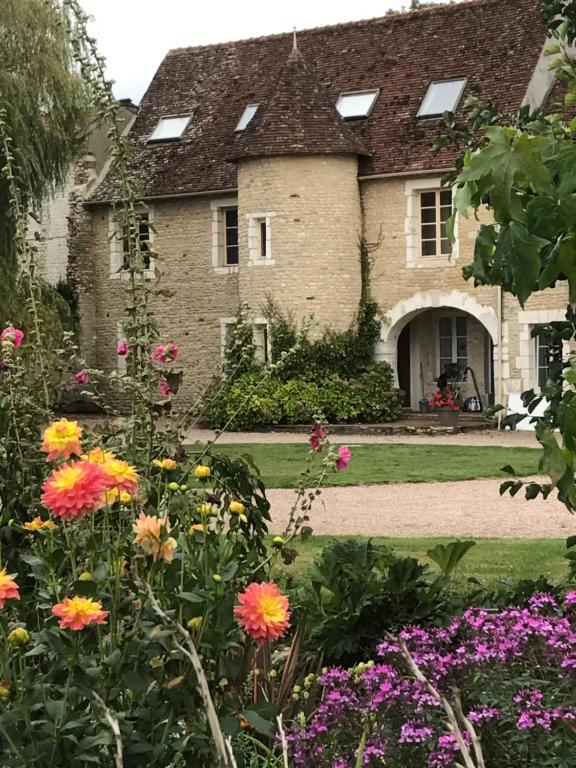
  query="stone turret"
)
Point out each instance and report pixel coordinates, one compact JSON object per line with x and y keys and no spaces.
{"x":299,"y":202}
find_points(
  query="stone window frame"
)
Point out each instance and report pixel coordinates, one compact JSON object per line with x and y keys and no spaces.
{"x":227,"y":322}
{"x":526,"y":361}
{"x":262,"y":322}
{"x":217,"y":207}
{"x":116,"y":246}
{"x":255,"y":222}
{"x":414,"y":259}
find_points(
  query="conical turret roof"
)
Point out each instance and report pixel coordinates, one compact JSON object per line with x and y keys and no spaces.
{"x":297,"y":118}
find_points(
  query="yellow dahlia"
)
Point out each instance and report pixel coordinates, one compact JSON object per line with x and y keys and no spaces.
{"x":62,"y":439}
{"x":263,"y":611}
{"x":202,"y":472}
{"x":75,"y":613}
{"x":38,"y":525}
{"x":121,"y":475}
{"x":148,"y":530}
{"x":74,"y":490}
{"x":166,"y":464}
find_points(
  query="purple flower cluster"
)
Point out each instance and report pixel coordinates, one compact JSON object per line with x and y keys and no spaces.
{"x":515,"y":669}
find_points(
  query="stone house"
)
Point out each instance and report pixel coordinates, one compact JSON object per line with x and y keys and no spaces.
{"x":264,"y":161}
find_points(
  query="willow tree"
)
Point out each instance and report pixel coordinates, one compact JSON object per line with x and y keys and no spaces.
{"x":42,"y":120}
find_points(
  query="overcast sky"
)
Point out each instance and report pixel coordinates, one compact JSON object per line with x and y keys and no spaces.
{"x":135,"y":35}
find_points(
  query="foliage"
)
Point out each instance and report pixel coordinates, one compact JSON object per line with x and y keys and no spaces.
{"x":259,"y":399}
{"x":507,"y":678}
{"x":356,"y":590}
{"x":240,"y":348}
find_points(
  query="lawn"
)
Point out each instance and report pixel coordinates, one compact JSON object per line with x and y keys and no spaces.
{"x":490,"y":560}
{"x":281,"y":463}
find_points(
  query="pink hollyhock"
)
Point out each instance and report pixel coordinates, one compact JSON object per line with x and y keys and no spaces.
{"x":165,"y":353}
{"x":263,"y":611}
{"x":122,"y":348}
{"x":164,"y":388}
{"x":82,"y":377}
{"x":344,"y":456}
{"x":14,"y":335}
{"x":316,"y":438}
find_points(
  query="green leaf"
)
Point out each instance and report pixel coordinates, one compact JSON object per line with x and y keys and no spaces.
{"x":190,"y":597}
{"x":570,"y":542}
{"x":264,"y":727}
{"x":448,"y":556}
{"x":519,"y":251}
{"x":509,"y":470}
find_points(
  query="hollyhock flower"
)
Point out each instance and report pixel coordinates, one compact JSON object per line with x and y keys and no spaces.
{"x":316,"y":438}
{"x":75,"y":613}
{"x":166,"y":464}
{"x":12,"y":336}
{"x":39,"y":525}
{"x":122,"y":348}
{"x":164,"y":353}
{"x":263,"y":611}
{"x":82,"y":377}
{"x":62,"y":439}
{"x":148,"y":530}
{"x":75,"y":489}
{"x":164,"y":388}
{"x":344,"y":456}
{"x":8,"y":588}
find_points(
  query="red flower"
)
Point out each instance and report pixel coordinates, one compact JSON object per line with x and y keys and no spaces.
{"x":344,"y":456}
{"x":316,"y":438}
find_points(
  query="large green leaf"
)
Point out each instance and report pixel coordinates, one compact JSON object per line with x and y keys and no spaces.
{"x":448,"y":556}
{"x":519,"y":252}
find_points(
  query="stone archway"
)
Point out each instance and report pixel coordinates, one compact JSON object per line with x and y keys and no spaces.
{"x":408,"y":309}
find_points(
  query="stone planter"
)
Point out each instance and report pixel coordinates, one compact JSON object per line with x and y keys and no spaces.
{"x":447,"y":417}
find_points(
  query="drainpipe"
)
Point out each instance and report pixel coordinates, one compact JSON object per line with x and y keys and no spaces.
{"x":499,"y":381}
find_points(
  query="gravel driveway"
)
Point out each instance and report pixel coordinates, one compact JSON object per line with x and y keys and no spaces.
{"x":464,"y":508}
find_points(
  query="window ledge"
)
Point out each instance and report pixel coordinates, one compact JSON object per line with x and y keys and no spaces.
{"x":229,"y":270}
{"x":433,"y":262}
{"x":261,"y":262}
{"x":149,"y":274}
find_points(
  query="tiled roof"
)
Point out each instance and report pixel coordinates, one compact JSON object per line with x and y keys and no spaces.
{"x":493,"y":43}
{"x":298,"y":118}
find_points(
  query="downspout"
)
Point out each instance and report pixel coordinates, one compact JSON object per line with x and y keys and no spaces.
{"x":499,"y":381}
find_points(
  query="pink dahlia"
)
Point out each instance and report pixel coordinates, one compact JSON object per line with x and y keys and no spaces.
{"x":75,"y":489}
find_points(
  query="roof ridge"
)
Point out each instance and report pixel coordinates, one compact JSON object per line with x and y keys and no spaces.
{"x":401,"y":15}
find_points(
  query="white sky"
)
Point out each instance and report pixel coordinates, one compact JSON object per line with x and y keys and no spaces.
{"x":135,"y":35}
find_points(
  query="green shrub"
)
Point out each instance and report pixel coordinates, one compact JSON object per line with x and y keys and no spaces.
{"x":259,"y":399}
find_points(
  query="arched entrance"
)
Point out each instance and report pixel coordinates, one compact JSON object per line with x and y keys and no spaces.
{"x":433,"y":330}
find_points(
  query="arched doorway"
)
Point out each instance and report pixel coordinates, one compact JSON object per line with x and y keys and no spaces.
{"x":429,"y":332}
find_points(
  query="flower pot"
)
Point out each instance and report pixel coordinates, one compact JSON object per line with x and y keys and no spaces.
{"x":447,"y":417}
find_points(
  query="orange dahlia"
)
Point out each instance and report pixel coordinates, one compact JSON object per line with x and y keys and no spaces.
{"x":263,"y":611}
{"x":75,"y":489}
{"x":8,"y":588}
{"x":39,"y":525}
{"x":62,"y":439}
{"x":75,"y":613}
{"x":148,"y":530}
{"x":121,"y":475}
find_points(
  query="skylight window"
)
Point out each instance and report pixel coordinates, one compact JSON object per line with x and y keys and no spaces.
{"x":442,"y":96}
{"x":356,"y":103}
{"x":247,"y":116}
{"x":170,"y":128}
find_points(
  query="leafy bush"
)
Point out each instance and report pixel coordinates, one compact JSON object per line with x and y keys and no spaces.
{"x":508,"y":678}
{"x":260,"y":398}
{"x":356,"y":590}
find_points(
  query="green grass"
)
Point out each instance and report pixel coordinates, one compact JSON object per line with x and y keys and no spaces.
{"x":281,"y":463}
{"x":490,"y":560}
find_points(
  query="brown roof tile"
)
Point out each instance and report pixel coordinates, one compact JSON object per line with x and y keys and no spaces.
{"x":494,"y":43}
{"x":298,"y":117}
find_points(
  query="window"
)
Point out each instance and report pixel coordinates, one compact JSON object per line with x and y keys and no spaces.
{"x":545,"y":357}
{"x":260,"y":238}
{"x":120,"y":244}
{"x":261,"y":342}
{"x":144,"y":239}
{"x":453,"y":344}
{"x":442,"y":96}
{"x":226,"y":326}
{"x":247,"y":116}
{"x":170,"y":128}
{"x":435,"y":210}
{"x":230,"y":254}
{"x":356,"y":104}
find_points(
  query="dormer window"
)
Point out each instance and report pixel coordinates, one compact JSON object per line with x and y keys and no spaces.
{"x":442,"y":96}
{"x":356,"y":104}
{"x":170,"y":128}
{"x":247,"y":116}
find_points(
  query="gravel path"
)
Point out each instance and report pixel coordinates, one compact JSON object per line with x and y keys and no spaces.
{"x":486,"y":437}
{"x":464,"y":508}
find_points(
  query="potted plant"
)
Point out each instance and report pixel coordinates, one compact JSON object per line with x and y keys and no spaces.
{"x":445,"y":405}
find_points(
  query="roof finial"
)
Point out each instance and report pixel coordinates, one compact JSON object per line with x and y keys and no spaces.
{"x":295,"y":53}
